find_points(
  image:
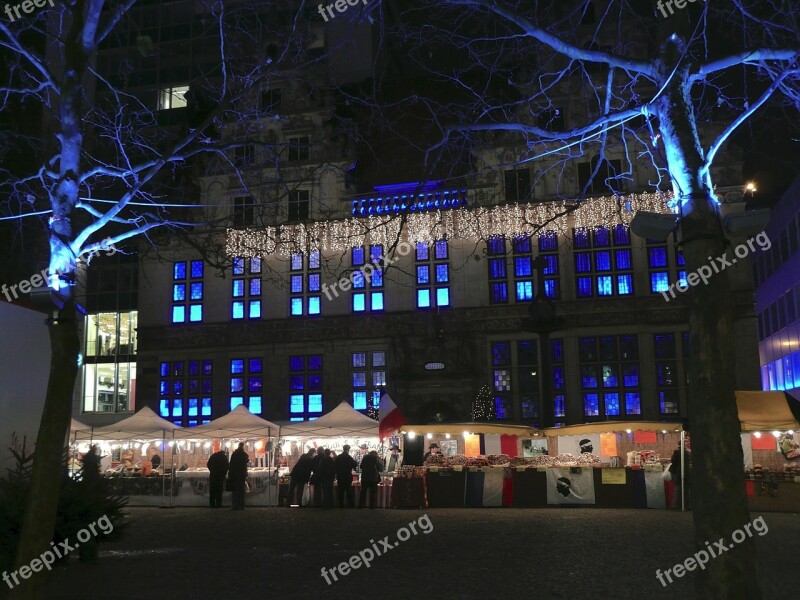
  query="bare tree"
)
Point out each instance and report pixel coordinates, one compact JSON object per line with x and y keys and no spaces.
{"x":615,"y":90}
{"x":113,"y":168}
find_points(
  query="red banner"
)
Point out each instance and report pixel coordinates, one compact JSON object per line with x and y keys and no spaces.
{"x":765,"y":442}
{"x":644,"y":437}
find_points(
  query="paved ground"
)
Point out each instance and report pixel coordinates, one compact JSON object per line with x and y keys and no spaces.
{"x":552,"y":553}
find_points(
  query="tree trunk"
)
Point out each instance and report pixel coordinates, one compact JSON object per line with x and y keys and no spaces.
{"x":49,"y":453}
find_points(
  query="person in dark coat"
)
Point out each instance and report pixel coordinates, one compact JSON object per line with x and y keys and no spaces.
{"x":90,"y":466}
{"x":301,"y":473}
{"x":315,"y":479}
{"x":343,"y":466}
{"x":370,"y":476}
{"x":237,"y":473}
{"x":326,"y":475}
{"x":156,"y":460}
{"x":217,"y":469}
{"x":675,"y":470}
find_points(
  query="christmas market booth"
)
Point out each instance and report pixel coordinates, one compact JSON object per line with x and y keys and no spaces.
{"x":133,"y":453}
{"x":606,"y":464}
{"x":771,"y":448}
{"x":341,"y":426}
{"x":471,"y":466}
{"x":195,"y":445}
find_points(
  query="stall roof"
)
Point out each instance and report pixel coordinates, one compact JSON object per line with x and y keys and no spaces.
{"x":342,"y":421}
{"x":459,"y":428}
{"x":76,"y":426}
{"x":239,"y":423}
{"x":760,"y":411}
{"x":143,"y":424}
{"x":612,"y":426}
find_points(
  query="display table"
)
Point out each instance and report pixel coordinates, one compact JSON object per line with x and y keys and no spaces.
{"x":446,"y":488}
{"x":778,"y":496}
{"x":408,"y":492}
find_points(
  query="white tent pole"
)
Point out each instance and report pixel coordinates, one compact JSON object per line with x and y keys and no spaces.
{"x":173,"y":478}
{"x":683,"y":470}
{"x":164,"y":470}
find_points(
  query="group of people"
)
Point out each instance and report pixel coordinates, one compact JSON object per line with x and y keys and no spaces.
{"x":318,"y":468}
{"x":236,"y":470}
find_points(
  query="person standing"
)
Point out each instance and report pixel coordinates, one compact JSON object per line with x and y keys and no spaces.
{"x":362,"y":452}
{"x":217,"y":469}
{"x":316,"y":481}
{"x":237,"y":473}
{"x":301,"y":473}
{"x":370,"y":476}
{"x":343,"y":466}
{"x":675,"y":470}
{"x":90,"y":469}
{"x":326,"y":475}
{"x":395,"y":460}
{"x":433,"y":449}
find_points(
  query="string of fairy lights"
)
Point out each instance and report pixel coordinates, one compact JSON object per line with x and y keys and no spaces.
{"x":473,"y":223}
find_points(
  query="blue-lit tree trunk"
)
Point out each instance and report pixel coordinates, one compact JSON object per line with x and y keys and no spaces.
{"x":637,"y":85}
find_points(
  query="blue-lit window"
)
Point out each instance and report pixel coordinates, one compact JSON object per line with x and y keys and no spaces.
{"x":177,"y":407}
{"x":296,"y":306}
{"x":255,"y":309}
{"x":611,"y":404}
{"x":296,"y":262}
{"x":423,"y":298}
{"x":297,"y":284}
{"x":205,"y":407}
{"x":164,"y":369}
{"x":499,"y":293}
{"x":442,"y":275}
{"x":358,"y":256}
{"x":359,"y":302}
{"x":255,"y":405}
{"x":610,"y":363}
{"x":443,"y":296}
{"x":548,"y":242}
{"x":497,"y":268}
{"x":368,"y":378}
{"x":359,"y":281}
{"x":238,"y":266}
{"x":193,"y":407}
{"x":314,"y":306}
{"x":559,"y":406}
{"x":422,"y":251}
{"x":304,"y":287}
{"x":604,"y":263}
{"x":522,"y":244}
{"x":238,"y":288}
{"x":377,"y":278}
{"x":524,"y":291}
{"x":659,"y":282}
{"x":237,"y":366}
{"x":496,"y":246}
{"x":179,"y":270}
{"x":423,"y":274}
{"x":306,"y":376}
{"x":180,"y":297}
{"x":377,"y":301}
{"x":244,"y":379}
{"x":313,"y":282}
{"x":657,"y":256}
{"x":236,"y":401}
{"x":163,"y":408}
{"x":440,"y":250}
{"x":248,"y":289}
{"x":522,"y":267}
{"x":590,"y":405}
{"x":633,"y":404}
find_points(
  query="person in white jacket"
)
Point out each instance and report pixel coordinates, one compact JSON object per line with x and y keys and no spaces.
{"x":395,"y":460}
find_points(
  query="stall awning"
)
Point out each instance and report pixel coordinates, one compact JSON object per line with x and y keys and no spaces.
{"x":240,"y":423}
{"x":145,"y":424}
{"x":342,"y":421}
{"x":612,"y":427}
{"x":765,"y":411}
{"x":460,"y":428}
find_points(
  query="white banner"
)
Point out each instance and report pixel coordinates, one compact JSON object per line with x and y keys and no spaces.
{"x":747,"y":450}
{"x":491,"y":443}
{"x":493,"y":488}
{"x":579,"y":444}
{"x":565,"y":487}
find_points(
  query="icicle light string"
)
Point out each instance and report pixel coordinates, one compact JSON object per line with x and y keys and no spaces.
{"x":476,"y":223}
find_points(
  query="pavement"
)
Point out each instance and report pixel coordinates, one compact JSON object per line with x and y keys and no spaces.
{"x":554,"y":553}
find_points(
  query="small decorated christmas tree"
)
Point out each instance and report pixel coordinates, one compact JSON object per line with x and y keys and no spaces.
{"x":483,"y":407}
{"x":372,"y":412}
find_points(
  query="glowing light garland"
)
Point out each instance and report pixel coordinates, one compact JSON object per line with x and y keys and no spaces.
{"x":474,"y":223}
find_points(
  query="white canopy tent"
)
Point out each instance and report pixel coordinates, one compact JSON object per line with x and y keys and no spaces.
{"x":343,"y":421}
{"x":145,"y":424}
{"x":240,"y":423}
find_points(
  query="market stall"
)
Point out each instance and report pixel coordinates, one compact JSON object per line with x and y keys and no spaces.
{"x":609,"y":464}
{"x":239,"y":425}
{"x":471,"y":468}
{"x":132,"y":444}
{"x":771,"y":448}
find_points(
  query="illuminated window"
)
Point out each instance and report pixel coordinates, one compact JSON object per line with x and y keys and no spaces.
{"x":433,"y":275}
{"x":180,"y":382}
{"x":603,"y":262}
{"x":187,"y":292}
{"x":305,"y":385}
{"x":246,"y":288}
{"x":609,"y":375}
{"x":245,"y":383}
{"x":368,"y":378}
{"x":305,"y":285}
{"x":172,"y":97}
{"x":367,"y":279}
